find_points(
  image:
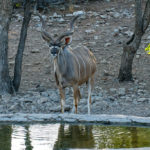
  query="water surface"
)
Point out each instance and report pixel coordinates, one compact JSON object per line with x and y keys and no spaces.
{"x":56,"y":137}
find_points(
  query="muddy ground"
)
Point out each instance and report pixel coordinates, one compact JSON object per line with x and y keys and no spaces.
{"x":104,"y":29}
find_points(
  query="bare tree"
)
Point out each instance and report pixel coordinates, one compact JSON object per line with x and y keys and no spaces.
{"x":21,"y":46}
{"x":6,"y":84}
{"x":131,"y":46}
{"x":5,"y":16}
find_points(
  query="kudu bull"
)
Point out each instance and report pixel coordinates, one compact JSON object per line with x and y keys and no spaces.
{"x":72,"y":67}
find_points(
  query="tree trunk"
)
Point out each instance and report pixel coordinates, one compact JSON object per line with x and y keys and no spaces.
{"x":21,"y":46}
{"x":5,"y":15}
{"x":129,"y":51}
{"x":130,"y":48}
{"x":125,"y":73}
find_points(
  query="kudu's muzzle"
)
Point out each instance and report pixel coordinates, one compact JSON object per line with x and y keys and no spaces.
{"x":55,"y":50}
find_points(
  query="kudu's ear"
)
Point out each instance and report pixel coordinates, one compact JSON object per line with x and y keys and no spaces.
{"x":66,"y":40}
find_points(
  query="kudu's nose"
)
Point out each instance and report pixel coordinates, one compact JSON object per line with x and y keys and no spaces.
{"x":54,"y":51}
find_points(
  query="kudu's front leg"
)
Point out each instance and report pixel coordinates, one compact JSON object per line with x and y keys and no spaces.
{"x":62,"y":97}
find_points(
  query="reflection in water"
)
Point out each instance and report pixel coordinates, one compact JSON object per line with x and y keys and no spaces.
{"x":121,"y":137}
{"x":43,"y":137}
{"x":5,"y":137}
{"x":102,"y":137}
{"x":18,"y":138}
{"x":74,"y":136}
{"x":55,"y":137}
{"x":27,"y":139}
{"x":34,"y":137}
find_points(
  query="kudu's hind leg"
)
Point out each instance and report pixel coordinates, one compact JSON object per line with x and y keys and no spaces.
{"x":77,"y":96}
{"x":62,"y":97}
{"x":90,"y":87}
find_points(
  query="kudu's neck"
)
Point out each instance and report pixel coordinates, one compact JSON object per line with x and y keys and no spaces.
{"x":62,"y":60}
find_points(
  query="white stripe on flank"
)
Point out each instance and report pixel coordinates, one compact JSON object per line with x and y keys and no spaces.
{"x":89,"y":62}
{"x":78,"y":64}
{"x":83,"y":64}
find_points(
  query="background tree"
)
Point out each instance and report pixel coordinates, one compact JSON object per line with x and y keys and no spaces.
{"x":5,"y":16}
{"x":6,"y":84}
{"x":21,"y":46}
{"x":130,"y":47}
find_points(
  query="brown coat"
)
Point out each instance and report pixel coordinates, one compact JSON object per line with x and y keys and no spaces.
{"x":74,"y":66}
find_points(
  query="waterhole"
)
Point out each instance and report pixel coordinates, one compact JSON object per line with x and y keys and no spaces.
{"x":66,"y":137}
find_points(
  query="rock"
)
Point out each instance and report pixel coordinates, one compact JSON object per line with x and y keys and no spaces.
{"x":107,"y":44}
{"x":62,"y":8}
{"x":6,"y":97}
{"x":19,"y":17}
{"x":143,"y":100}
{"x":90,"y":31}
{"x":97,"y":25}
{"x":35,"y":51}
{"x":121,"y":91}
{"x":129,"y":99}
{"x":140,"y":91}
{"x":56,"y":16}
{"x":110,"y":98}
{"x":126,"y":13}
{"x":69,"y":15}
{"x":36,"y":18}
{"x":92,"y":43}
{"x":44,"y":17}
{"x":95,"y":37}
{"x":95,"y":14}
{"x":78,"y":13}
{"x":37,"y":63}
{"x":45,"y":94}
{"x":128,"y":33}
{"x":119,"y":42}
{"x":116,"y":32}
{"x":29,"y":100}
{"x":106,"y":73}
{"x":43,"y":100}
{"x":115,"y":14}
{"x":113,"y":90}
{"x":88,"y":24}
{"x":100,"y":22}
{"x":103,"y":16}
{"x":61,"y":20}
